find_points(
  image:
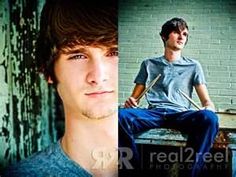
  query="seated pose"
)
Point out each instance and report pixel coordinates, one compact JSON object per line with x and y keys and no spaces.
{"x":167,"y":105}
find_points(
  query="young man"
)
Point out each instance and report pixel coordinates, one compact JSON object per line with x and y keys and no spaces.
{"x":77,"y":52}
{"x":167,"y":106}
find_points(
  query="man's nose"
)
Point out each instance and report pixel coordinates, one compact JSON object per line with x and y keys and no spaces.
{"x":180,"y":36}
{"x":97,"y":72}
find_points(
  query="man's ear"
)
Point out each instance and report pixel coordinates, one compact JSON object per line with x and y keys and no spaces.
{"x":49,"y":80}
{"x":163,"y":38}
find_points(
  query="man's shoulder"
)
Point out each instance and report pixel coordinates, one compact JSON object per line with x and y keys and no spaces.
{"x":35,"y":165}
{"x":190,"y":61}
{"x":50,"y":162}
{"x":153,"y":59}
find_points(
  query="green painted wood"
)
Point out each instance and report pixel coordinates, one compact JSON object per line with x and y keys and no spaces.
{"x":27,"y":111}
{"x":162,"y":136}
{"x":171,"y":137}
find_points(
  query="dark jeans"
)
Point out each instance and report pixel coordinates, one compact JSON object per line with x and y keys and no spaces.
{"x":201,"y":127}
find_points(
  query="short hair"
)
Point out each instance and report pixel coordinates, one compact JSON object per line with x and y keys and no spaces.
{"x":174,"y":24}
{"x":66,"y":23}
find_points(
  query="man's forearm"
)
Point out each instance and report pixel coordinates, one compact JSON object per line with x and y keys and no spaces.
{"x":138,"y":89}
{"x":132,"y":100}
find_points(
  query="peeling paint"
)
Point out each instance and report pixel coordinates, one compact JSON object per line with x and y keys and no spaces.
{"x":27,"y":111}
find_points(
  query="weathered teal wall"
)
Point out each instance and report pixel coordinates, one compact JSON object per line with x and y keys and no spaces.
{"x":27,"y":111}
{"x":212,"y":41}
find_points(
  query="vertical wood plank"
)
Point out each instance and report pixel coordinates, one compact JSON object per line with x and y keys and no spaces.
{"x":27,"y":111}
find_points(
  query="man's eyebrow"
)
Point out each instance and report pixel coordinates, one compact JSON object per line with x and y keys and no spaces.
{"x":114,"y":48}
{"x":69,"y":51}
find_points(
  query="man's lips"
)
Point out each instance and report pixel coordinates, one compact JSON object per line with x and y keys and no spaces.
{"x":98,"y":93}
{"x":180,"y":42}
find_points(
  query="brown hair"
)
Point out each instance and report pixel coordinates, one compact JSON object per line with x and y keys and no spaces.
{"x":174,"y":24}
{"x":66,"y":23}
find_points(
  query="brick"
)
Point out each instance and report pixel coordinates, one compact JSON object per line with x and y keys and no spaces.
{"x":213,"y":92}
{"x":228,"y":62}
{"x":224,"y":106}
{"x":234,"y":101}
{"x":233,"y":86}
{"x":216,"y":85}
{"x":225,"y":92}
{"x":219,"y":74}
{"x":221,"y":99}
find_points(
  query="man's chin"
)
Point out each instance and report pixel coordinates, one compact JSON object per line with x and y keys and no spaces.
{"x":100,"y":113}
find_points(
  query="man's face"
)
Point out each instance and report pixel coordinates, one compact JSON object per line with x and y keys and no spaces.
{"x":177,"y":40}
{"x":87,"y":80}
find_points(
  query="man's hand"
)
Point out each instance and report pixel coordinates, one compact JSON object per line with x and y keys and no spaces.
{"x":209,"y":108}
{"x":131,"y":102}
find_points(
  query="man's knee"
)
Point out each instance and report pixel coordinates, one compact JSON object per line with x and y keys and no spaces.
{"x":208,"y":118}
{"x":125,"y":119}
{"x":123,"y":115}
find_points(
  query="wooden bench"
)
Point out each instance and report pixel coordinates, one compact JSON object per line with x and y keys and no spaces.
{"x":226,"y":137}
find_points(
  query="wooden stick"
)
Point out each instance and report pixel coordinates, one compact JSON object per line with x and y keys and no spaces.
{"x":190,"y":100}
{"x":148,"y":87}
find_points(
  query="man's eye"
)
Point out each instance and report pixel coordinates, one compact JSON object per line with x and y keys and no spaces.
{"x":113,"y":54}
{"x":77,"y":57}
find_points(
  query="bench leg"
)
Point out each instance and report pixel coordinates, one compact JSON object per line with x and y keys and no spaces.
{"x":232,"y":151}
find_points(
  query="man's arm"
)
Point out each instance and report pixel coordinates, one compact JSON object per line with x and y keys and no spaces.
{"x":204,"y":97}
{"x":132,"y":100}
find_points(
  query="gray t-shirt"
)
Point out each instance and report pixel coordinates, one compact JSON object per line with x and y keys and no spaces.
{"x":181,"y":74}
{"x":51,"y":162}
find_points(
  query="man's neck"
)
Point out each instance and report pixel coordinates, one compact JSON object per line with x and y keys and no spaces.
{"x":85,"y":140}
{"x":172,"y":55}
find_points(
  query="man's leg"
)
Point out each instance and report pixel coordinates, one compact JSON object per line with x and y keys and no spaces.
{"x":132,"y":121}
{"x":202,"y":127}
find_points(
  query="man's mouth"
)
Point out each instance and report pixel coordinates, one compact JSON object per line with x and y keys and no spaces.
{"x":180,"y":43}
{"x":99,"y":93}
